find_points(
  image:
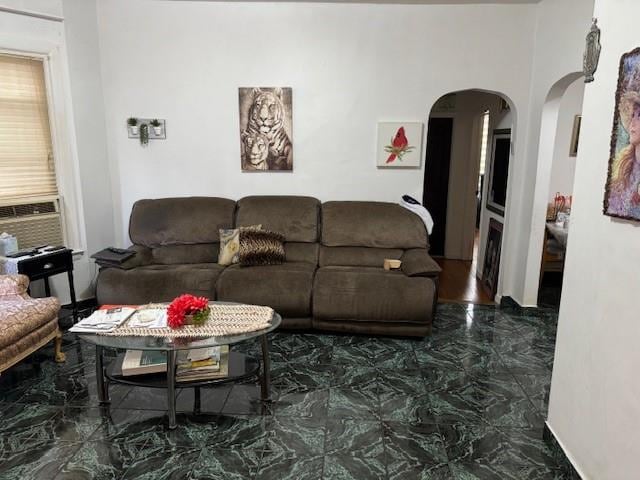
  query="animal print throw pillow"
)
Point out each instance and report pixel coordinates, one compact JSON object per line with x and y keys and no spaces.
{"x":230,"y":244}
{"x":261,"y":247}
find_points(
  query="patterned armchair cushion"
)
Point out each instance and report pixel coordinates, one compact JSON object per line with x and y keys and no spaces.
{"x":18,"y":318}
{"x":13,"y":285}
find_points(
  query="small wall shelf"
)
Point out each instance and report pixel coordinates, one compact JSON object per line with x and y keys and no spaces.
{"x":152,"y":132}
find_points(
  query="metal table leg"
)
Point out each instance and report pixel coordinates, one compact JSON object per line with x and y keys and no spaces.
{"x":103,"y":385}
{"x":72,"y":293}
{"x":171,"y":387}
{"x":265,"y":378}
{"x":196,"y":400}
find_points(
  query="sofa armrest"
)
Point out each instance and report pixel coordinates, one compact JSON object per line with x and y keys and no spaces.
{"x":416,"y":262}
{"x":141,"y":258}
{"x":13,"y":284}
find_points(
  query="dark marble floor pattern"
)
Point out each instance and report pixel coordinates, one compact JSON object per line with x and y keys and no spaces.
{"x":468,"y":402}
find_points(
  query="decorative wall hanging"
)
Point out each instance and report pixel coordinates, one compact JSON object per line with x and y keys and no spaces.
{"x":145,"y":129}
{"x":399,"y":144}
{"x":622,"y":190}
{"x":498,"y":170}
{"x":591,"y":52}
{"x":266,"y":129}
{"x":491,"y":266}
{"x":575,"y":136}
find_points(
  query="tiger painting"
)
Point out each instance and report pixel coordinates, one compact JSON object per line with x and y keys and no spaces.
{"x":256,"y":151}
{"x":268,"y":116}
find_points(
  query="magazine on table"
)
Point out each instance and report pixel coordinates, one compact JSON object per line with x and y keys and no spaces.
{"x":105,"y":320}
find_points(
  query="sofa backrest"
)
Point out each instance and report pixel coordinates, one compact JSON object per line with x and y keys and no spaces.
{"x":297,"y":218}
{"x":365,"y":233}
{"x":166,"y":225}
{"x":371,"y":224}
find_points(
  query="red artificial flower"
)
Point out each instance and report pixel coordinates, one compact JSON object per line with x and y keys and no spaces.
{"x":185,"y":305}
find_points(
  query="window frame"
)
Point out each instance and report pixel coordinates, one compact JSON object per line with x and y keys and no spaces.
{"x":62,"y":129}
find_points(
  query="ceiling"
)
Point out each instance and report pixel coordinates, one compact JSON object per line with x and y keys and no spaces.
{"x":398,"y":2}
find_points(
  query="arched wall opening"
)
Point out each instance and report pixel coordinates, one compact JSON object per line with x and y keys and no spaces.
{"x":458,"y":193}
{"x":546,"y":145}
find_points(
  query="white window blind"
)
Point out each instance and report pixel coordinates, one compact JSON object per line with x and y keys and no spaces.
{"x":26,"y":158}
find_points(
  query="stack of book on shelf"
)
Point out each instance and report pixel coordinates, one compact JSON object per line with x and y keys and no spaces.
{"x":203,"y":364}
{"x":141,"y":362}
{"x":193,"y":365}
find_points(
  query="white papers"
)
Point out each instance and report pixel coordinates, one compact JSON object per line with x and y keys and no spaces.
{"x":103,"y":320}
{"x":149,"y":318}
{"x":197,"y":354}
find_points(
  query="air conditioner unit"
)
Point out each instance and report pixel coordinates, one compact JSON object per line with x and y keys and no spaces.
{"x":35,"y":222}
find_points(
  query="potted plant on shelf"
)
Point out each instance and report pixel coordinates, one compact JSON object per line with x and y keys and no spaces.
{"x":132,"y":124}
{"x":157,"y":127}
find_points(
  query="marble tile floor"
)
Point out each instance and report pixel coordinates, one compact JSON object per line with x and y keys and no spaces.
{"x":468,"y":402}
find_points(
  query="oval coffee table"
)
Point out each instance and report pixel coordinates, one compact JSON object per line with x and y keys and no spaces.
{"x":241,"y":366}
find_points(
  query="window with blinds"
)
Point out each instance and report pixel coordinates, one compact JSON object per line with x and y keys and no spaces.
{"x":26,"y":158}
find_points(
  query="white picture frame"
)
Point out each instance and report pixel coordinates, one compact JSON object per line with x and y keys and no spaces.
{"x":399,"y":144}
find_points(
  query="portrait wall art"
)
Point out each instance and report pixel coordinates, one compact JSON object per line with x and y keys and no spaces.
{"x":622,"y":190}
{"x":266,"y":142}
{"x":399,"y":144}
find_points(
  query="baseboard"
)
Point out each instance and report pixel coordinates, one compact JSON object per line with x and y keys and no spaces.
{"x":560,"y":453}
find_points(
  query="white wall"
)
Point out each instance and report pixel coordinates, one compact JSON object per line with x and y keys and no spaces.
{"x":561,"y":28}
{"x":594,"y":407}
{"x":350,"y":66}
{"x":42,"y":7}
{"x":80,"y":26}
{"x":343,"y":62}
{"x":564,"y":166}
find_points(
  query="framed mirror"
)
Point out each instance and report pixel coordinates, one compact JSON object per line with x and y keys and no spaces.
{"x":498,"y":171}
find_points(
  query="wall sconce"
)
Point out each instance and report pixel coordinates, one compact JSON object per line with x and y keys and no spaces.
{"x":146,"y":129}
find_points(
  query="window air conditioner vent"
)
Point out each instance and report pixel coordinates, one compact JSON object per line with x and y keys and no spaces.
{"x":7,"y":212}
{"x":33,"y":224}
{"x":25,"y":209}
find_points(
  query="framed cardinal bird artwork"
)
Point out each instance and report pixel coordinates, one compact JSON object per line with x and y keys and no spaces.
{"x":399,"y":144}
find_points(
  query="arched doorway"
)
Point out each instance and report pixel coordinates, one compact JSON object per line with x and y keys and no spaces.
{"x":468,"y":142}
{"x":556,"y":130}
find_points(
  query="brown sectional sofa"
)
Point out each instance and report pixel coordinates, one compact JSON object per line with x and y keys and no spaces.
{"x":332,"y":278}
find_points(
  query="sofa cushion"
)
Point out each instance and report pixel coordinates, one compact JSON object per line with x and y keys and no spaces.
{"x":156,"y":283}
{"x":371,"y":294}
{"x":357,"y":256}
{"x":184,"y":254}
{"x":295,"y":217}
{"x":301,"y":252}
{"x":261,"y":247}
{"x":176,"y":221}
{"x":417,"y":262}
{"x":371,"y":224}
{"x":21,"y":317}
{"x":230,"y":243}
{"x":286,"y":287}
